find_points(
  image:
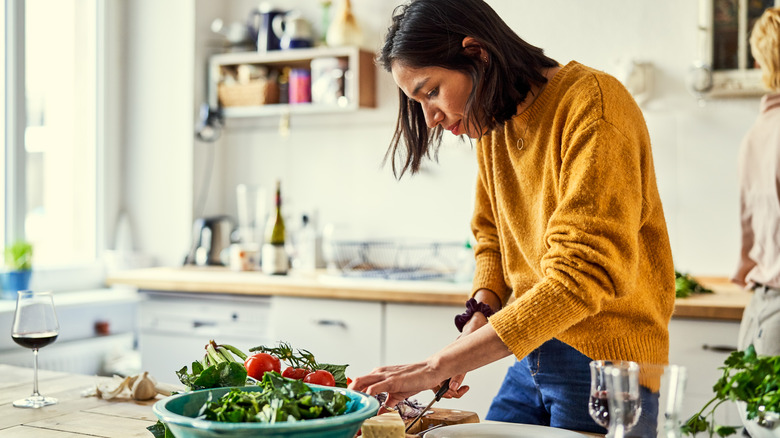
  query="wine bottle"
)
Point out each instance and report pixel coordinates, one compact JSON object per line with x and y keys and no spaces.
{"x":274,"y":258}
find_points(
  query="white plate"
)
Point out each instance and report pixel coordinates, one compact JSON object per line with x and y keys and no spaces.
{"x":504,"y":430}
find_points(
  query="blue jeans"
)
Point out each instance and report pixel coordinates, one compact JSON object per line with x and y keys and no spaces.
{"x":551,"y":387}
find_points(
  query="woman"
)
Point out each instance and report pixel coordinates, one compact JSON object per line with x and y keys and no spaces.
{"x":573,"y":261}
{"x":759,"y":170}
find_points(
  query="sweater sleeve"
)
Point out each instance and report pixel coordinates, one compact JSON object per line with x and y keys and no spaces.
{"x":591,"y":237}
{"x":489,"y":272}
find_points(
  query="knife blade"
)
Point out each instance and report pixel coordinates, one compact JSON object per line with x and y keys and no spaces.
{"x":444,"y":388}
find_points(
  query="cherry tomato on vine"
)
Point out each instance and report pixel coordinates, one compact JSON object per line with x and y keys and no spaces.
{"x":295,"y":373}
{"x":257,"y":365}
{"x":320,"y":377}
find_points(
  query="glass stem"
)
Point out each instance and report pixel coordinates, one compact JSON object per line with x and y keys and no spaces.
{"x":35,"y":373}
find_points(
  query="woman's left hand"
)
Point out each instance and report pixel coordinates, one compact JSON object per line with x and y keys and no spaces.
{"x":402,"y":381}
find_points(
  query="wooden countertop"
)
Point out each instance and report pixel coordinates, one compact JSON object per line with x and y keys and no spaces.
{"x":727,"y":303}
{"x":73,"y":415}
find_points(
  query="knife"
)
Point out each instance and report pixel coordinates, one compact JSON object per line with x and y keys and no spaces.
{"x":444,"y":388}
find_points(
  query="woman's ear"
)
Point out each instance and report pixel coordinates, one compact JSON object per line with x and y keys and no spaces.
{"x":473,"y":48}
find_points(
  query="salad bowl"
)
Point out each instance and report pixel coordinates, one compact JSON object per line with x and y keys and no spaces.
{"x":179,"y":413}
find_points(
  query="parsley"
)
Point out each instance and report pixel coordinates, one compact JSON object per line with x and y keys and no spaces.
{"x":685,"y":286}
{"x":746,"y":377}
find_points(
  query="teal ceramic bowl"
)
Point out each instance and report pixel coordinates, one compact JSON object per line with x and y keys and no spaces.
{"x":178,"y":412}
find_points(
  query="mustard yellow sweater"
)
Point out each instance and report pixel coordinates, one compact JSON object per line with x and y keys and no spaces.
{"x":569,"y":225}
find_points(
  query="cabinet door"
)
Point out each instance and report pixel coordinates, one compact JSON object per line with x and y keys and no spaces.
{"x":335,"y":331}
{"x":414,"y":332}
{"x":702,"y":346}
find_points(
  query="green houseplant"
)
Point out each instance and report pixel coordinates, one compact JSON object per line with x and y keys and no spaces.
{"x":18,"y":264}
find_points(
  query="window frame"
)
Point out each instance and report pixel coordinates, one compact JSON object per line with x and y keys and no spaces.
{"x":80,"y":276}
{"x":744,"y":81}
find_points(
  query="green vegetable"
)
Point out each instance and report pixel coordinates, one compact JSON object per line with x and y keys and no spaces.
{"x":280,"y":400}
{"x":685,"y":286}
{"x":18,"y":256}
{"x":299,"y":358}
{"x":746,"y":377}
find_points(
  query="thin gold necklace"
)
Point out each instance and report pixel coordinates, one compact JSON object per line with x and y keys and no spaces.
{"x":520,"y":143}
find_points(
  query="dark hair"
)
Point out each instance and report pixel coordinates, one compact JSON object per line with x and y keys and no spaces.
{"x":430,"y":33}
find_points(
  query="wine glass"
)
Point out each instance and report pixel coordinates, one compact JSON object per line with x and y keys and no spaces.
{"x":35,"y":326}
{"x":604,"y":390}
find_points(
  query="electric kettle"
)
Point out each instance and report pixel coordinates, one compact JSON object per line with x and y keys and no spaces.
{"x":211,"y":239}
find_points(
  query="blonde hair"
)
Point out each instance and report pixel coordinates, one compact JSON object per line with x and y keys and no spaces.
{"x":765,"y":46}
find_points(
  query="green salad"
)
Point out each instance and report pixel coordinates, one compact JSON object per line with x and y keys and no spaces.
{"x":281,"y":400}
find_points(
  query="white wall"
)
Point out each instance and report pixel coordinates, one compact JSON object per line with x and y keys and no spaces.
{"x":331,"y":164}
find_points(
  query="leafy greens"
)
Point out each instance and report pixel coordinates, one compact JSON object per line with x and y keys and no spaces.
{"x":281,"y":400}
{"x":746,"y":377}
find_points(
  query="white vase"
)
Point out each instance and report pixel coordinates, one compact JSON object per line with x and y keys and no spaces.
{"x":344,"y":29}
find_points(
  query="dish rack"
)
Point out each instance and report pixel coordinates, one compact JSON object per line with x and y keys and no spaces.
{"x":396,"y":260}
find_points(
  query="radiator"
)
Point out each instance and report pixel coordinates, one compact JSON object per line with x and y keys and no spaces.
{"x":87,"y":356}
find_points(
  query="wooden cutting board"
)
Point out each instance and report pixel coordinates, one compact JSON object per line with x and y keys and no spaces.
{"x":436,"y":416}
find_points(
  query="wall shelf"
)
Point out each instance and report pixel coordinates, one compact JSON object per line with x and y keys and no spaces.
{"x":361,"y":87}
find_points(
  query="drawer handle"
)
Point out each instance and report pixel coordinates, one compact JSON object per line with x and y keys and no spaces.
{"x":196,"y":324}
{"x":719,"y":348}
{"x":331,"y":322}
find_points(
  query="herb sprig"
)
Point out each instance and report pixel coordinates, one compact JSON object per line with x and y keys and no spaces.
{"x":747,"y":377}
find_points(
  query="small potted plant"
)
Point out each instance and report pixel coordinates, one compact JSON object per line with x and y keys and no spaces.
{"x":18,"y":263}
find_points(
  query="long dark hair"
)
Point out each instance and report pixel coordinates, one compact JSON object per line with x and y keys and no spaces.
{"x":430,"y":33}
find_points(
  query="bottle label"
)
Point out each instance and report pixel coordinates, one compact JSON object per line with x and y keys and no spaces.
{"x":274,"y":261}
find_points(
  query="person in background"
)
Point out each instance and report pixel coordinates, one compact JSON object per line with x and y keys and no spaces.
{"x":573,"y":261}
{"x":759,"y":181}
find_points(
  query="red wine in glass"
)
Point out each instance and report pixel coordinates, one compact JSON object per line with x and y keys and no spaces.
{"x":598,"y":407}
{"x":34,"y":340}
{"x":35,"y":326}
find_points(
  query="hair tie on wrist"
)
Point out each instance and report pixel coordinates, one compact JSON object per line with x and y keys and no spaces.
{"x":472,"y":306}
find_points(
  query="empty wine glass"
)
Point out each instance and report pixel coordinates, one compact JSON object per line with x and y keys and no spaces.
{"x":602,"y":392}
{"x":35,"y":326}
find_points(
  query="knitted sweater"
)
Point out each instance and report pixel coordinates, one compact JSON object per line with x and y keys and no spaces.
{"x":569,"y":226}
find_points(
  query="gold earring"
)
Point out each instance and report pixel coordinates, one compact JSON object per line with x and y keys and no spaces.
{"x":484,"y":59}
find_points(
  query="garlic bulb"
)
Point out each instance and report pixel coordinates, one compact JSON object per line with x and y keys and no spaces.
{"x":344,"y":30}
{"x":144,"y":387}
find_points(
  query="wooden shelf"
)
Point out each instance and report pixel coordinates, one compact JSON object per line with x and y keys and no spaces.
{"x":360,"y":63}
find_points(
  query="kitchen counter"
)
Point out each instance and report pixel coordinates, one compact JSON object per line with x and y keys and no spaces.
{"x":74,"y":415}
{"x":727,"y":303}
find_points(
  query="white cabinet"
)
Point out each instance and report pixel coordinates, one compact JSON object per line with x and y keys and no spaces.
{"x":174,"y":328}
{"x":416,"y":331}
{"x":335,"y":331}
{"x":702,"y":346}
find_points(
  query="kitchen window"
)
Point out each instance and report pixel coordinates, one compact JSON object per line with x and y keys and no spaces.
{"x":725,"y":66}
{"x":52,"y":131}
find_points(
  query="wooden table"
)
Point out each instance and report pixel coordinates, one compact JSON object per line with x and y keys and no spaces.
{"x":74,"y":415}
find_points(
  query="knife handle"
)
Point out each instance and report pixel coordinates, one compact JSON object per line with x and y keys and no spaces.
{"x":444,"y":388}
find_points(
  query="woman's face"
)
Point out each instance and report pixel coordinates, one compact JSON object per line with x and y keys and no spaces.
{"x":441,"y":93}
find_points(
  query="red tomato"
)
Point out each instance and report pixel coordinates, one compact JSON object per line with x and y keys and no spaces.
{"x":320,"y":377}
{"x":257,"y":365}
{"x":295,"y":373}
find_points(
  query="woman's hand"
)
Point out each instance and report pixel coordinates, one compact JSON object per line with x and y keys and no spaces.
{"x":402,"y":381}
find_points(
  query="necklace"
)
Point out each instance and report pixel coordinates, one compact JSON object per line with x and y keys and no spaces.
{"x":520,"y":143}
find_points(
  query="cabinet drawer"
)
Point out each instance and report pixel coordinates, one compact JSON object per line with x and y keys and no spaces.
{"x":335,"y":331}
